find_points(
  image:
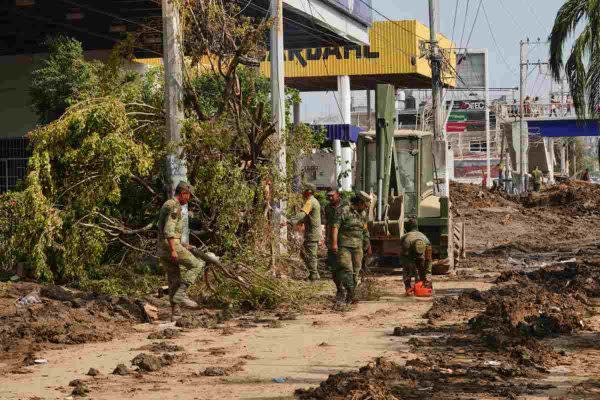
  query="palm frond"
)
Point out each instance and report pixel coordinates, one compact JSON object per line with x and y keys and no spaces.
{"x":565,"y":24}
{"x":576,"y":72}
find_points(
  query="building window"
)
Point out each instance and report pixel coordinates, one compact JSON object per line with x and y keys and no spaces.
{"x":477,"y":146}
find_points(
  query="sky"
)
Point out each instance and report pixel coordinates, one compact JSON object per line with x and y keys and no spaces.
{"x":510,"y":21}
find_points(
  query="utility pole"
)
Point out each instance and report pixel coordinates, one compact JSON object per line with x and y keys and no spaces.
{"x":278,"y":106}
{"x":524,"y":131}
{"x":487,"y":120}
{"x":523,"y":136}
{"x":440,"y":140}
{"x":173,"y":64}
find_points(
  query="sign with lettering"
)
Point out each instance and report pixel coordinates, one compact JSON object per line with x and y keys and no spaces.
{"x":394,"y":49}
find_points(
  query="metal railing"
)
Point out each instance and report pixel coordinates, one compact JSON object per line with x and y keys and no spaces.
{"x":14,"y":155}
{"x":536,"y":110}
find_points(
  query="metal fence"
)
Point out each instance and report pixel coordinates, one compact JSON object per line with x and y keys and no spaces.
{"x":14,"y":154}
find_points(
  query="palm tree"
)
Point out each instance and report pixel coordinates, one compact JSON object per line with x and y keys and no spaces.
{"x":582,"y":68}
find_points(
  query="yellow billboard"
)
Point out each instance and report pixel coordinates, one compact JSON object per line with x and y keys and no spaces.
{"x":396,"y":49}
{"x":395,"y":56}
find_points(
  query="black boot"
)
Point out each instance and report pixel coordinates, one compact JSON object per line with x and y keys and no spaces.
{"x":351,"y":296}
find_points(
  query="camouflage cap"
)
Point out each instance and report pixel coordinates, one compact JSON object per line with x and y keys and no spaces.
{"x":364,"y":197}
{"x":360,"y":198}
{"x":183,"y":186}
{"x":332,"y":191}
{"x":309,"y":187}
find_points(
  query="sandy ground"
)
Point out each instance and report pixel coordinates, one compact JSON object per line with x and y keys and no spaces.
{"x":304,"y":352}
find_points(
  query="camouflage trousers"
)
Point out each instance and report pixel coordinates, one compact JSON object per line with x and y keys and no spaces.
{"x":185,"y":272}
{"x":349,"y":263}
{"x":421,"y":272}
{"x":332,"y":264}
{"x":537,"y":187}
{"x":311,"y":258}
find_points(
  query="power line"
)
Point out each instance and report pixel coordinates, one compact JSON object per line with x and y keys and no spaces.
{"x":512,"y":17}
{"x":454,"y":19}
{"x":474,"y":23}
{"x":511,"y":68}
{"x":462,"y":35}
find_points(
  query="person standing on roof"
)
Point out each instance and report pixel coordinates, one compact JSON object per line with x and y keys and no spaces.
{"x":310,"y":216}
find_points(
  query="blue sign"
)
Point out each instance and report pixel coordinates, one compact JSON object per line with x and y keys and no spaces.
{"x":564,"y":127}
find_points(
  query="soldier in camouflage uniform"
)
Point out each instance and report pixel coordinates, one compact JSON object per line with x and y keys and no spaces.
{"x":350,"y":237}
{"x":416,"y":257}
{"x":331,"y":212}
{"x":310,"y":216}
{"x":182,"y":267}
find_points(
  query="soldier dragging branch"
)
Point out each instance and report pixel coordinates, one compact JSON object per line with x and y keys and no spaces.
{"x":182,"y":267}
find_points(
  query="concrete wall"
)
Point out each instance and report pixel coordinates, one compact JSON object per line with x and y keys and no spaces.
{"x":16,"y":114}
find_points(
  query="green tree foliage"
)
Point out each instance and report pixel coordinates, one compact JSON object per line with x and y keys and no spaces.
{"x":88,"y":207}
{"x":63,"y":78}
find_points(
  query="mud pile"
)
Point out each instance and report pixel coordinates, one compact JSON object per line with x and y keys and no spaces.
{"x":578,"y":197}
{"x":581,"y":279}
{"x":419,"y":379}
{"x":56,"y":316}
{"x":526,"y":307}
{"x":467,"y":197}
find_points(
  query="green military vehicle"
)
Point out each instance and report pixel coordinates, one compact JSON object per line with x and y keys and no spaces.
{"x":399,"y":168}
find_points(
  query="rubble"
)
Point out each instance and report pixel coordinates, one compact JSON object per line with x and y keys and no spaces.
{"x":167,"y":333}
{"x":55,"y":320}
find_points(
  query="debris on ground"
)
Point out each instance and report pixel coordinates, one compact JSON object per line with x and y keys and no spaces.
{"x":121,"y":369}
{"x":223,"y":371}
{"x":419,"y":379}
{"x":195,"y":321}
{"x":150,"y":363}
{"x":80,"y":389}
{"x":58,"y":319}
{"x":167,"y":333}
{"x":162,"y":347}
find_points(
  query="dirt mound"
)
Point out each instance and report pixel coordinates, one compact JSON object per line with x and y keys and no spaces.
{"x":524,"y":308}
{"x":520,"y":309}
{"x":576,"y":196}
{"x":468,"y":300}
{"x":419,"y":379}
{"x":577,"y":278}
{"x":467,"y":197}
{"x":33,"y":317}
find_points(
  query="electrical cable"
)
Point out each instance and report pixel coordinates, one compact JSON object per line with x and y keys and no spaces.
{"x":462,"y":35}
{"x":454,"y":20}
{"x":510,"y":14}
{"x":474,"y":23}
{"x":500,"y":53}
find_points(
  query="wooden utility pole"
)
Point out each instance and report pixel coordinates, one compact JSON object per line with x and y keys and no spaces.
{"x":435,"y":57}
{"x":173,"y":65}
{"x":523,"y":136}
{"x":278,"y":106}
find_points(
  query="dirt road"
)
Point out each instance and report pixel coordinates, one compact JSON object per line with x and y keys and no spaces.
{"x":497,"y":330}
